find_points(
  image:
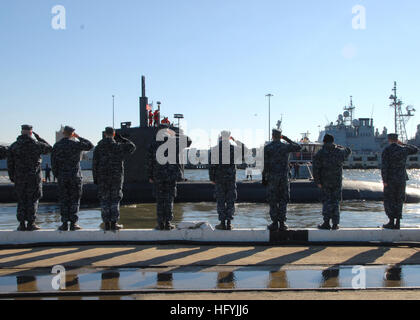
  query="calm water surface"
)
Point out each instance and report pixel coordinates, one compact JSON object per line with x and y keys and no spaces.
{"x":143,"y":216}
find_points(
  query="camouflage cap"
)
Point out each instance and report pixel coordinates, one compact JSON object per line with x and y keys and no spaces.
{"x":109,"y":130}
{"x":277,"y":133}
{"x":27,"y":127}
{"x":328,"y":138}
{"x":69,"y":129}
{"x":393,"y":136}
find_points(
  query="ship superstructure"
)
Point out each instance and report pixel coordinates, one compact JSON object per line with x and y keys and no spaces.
{"x":366,"y":142}
{"x":357,"y":134}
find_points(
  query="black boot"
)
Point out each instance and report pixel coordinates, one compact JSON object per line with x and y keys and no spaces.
{"x":274,"y":226}
{"x":64,"y":227}
{"x":335,"y":227}
{"x":115,"y":226}
{"x":325,"y":226}
{"x":283,"y":226}
{"x":22,"y":226}
{"x":229,"y":225}
{"x":75,"y":227}
{"x":221,"y":226}
{"x":390,"y":225}
{"x":397,"y":224}
{"x":160,"y":226}
{"x":107,"y":226}
{"x":169,"y":226}
{"x":32,"y":227}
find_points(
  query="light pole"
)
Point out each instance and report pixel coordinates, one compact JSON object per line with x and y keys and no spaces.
{"x":269,"y":115}
{"x":113,"y":111}
{"x":179,"y":116}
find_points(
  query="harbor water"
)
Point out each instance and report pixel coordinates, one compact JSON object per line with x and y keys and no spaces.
{"x":354,"y":214}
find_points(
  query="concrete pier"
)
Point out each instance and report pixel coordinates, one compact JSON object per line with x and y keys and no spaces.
{"x":157,"y":271}
{"x":209,"y":236}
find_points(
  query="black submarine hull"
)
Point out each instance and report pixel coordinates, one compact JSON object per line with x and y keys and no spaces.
{"x":252,"y":192}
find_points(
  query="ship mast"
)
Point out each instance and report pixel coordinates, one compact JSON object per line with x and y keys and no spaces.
{"x":400,"y":119}
{"x":349,"y":110}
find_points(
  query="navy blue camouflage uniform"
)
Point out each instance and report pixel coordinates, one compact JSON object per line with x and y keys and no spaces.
{"x":24,"y":167}
{"x":165,"y":178}
{"x":108,"y":174}
{"x":223,"y":174}
{"x":394,"y":174}
{"x":276,"y":176}
{"x":65,"y":164}
{"x":328,"y":172}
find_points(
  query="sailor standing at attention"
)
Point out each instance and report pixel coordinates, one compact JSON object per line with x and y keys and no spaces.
{"x":65,"y":163}
{"x":394,"y":176}
{"x":24,"y":166}
{"x":276,"y":178}
{"x":328,"y":175}
{"x":108,"y":175}
{"x":222,"y":173}
{"x":165,"y":171}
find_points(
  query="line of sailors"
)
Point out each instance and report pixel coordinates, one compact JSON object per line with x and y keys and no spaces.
{"x":24,"y":168}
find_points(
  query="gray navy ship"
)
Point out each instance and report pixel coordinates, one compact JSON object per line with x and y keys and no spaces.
{"x":367,"y":143}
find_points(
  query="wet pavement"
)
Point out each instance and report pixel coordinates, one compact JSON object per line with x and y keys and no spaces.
{"x":244,"y":278}
{"x":122,"y":271}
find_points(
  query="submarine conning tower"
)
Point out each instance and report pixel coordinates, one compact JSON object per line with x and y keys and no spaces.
{"x":142,"y":137}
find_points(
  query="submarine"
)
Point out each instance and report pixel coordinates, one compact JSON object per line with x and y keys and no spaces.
{"x":137,"y":188}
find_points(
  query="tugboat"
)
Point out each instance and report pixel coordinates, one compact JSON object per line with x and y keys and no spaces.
{"x":301,"y":162}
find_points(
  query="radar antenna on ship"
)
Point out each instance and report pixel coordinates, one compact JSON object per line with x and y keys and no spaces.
{"x":348,"y":112}
{"x":400,"y":118}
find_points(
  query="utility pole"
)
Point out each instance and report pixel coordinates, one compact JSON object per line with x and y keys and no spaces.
{"x":269,"y":115}
{"x":113,"y":111}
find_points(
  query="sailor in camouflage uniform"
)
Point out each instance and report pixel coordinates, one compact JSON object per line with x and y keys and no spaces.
{"x":24,"y":166}
{"x":276,"y":178}
{"x":3,"y":152}
{"x":65,"y":164}
{"x":222,"y":172}
{"x":328,"y":175}
{"x":394,"y":176}
{"x":164,"y":171}
{"x":108,"y":174}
